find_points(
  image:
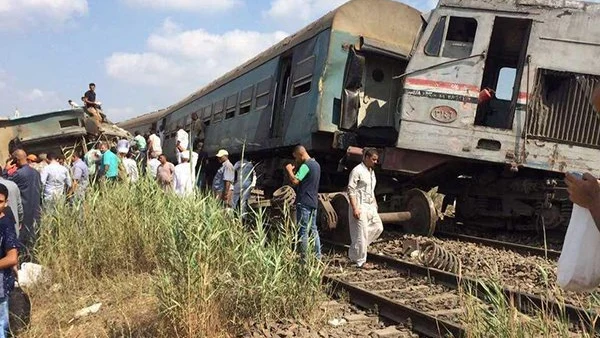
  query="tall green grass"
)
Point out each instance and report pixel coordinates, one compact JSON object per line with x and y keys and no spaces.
{"x":211,"y":271}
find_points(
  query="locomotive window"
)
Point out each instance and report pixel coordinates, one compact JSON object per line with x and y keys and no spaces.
{"x":506,"y":81}
{"x":460,"y":37}
{"x":434,"y":44}
{"x":263,"y":89}
{"x":246,"y":100}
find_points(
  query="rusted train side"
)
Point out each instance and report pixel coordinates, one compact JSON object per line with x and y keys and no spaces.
{"x":53,"y":131}
{"x":496,"y":106}
{"x":487,"y":100}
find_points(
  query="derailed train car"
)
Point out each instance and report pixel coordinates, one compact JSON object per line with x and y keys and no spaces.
{"x":487,"y":100}
{"x":54,"y":132}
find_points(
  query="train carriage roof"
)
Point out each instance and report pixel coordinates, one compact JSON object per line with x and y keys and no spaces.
{"x":383,"y":20}
{"x":147,"y":118}
{"x":523,"y":5}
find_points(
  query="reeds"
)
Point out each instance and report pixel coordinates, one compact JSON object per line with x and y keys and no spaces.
{"x":211,"y":272}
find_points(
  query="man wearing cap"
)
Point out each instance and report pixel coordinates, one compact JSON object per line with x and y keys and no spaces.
{"x":224,"y":177}
{"x":183,"y":178}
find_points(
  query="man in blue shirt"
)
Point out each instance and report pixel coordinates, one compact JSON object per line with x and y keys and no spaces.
{"x":8,"y":259}
{"x":110,"y":163}
{"x":306,"y":179}
{"x":29,"y":183}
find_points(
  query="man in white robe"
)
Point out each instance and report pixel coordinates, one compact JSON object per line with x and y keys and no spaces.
{"x":365,"y":224}
{"x":183,"y":179}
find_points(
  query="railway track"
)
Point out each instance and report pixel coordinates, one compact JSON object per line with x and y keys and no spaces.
{"x":515,"y":247}
{"x":429,"y":298}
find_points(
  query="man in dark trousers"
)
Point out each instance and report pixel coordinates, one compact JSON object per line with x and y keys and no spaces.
{"x":91,"y":105}
{"x":306,"y":179}
{"x":29,"y":183}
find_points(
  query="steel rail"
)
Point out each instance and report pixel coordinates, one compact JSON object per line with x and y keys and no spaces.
{"x":421,"y":322}
{"x":520,"y":248}
{"x":524,"y":302}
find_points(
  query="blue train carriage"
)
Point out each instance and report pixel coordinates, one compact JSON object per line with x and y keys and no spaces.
{"x":496,"y":106}
{"x":294,"y":92}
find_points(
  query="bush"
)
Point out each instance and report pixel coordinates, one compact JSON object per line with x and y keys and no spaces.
{"x":210,"y":271}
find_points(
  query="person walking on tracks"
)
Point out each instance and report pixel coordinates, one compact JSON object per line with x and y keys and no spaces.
{"x":365,"y":224}
{"x":306,"y":179}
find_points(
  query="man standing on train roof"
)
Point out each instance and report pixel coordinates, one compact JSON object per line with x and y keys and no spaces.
{"x":365,"y":224}
{"x":91,"y":105}
{"x":182,"y":142}
{"x":306,"y":179}
{"x":222,"y":183}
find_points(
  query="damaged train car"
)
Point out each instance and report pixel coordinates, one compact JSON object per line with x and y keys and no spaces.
{"x":487,"y":100}
{"x":54,"y":132}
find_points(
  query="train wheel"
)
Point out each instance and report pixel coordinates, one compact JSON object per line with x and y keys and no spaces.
{"x":341,"y":205}
{"x":423,"y":213}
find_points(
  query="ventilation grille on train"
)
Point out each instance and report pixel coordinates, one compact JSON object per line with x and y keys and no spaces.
{"x":560,"y":109}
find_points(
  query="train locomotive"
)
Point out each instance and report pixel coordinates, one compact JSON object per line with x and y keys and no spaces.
{"x":489,"y":101}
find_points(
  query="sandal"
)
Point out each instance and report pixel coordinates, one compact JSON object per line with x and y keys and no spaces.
{"x":366,"y":266}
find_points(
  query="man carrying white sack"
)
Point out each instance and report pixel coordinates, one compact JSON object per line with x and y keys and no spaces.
{"x":365,"y":224}
{"x":585,"y":192}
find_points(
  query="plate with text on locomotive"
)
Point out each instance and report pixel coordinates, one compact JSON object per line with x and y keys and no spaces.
{"x":444,"y":114}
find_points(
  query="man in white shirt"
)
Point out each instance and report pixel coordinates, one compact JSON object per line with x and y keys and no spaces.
{"x":131,"y":167}
{"x":153,"y":166}
{"x":56,"y":180}
{"x":154,"y":144}
{"x":184,"y":176}
{"x":182,"y":142}
{"x":245,"y":180}
{"x":365,"y":224}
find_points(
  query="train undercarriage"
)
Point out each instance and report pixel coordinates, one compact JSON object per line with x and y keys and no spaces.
{"x":494,"y":197}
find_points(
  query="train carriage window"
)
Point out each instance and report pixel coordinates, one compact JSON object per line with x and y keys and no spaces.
{"x":303,"y":76}
{"x":434,"y":44}
{"x":246,"y":100}
{"x":206,"y":114}
{"x":263,"y":89}
{"x":231,"y":105}
{"x":460,"y":37}
{"x":218,"y":111}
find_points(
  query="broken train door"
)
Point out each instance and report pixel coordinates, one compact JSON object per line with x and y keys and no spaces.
{"x":369,"y":93}
{"x":503,"y":72}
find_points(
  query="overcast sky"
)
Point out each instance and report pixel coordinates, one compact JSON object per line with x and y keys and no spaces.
{"x":142,"y":54}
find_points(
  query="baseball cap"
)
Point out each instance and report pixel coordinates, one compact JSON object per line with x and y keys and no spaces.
{"x":123,"y":146}
{"x":222,"y":153}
